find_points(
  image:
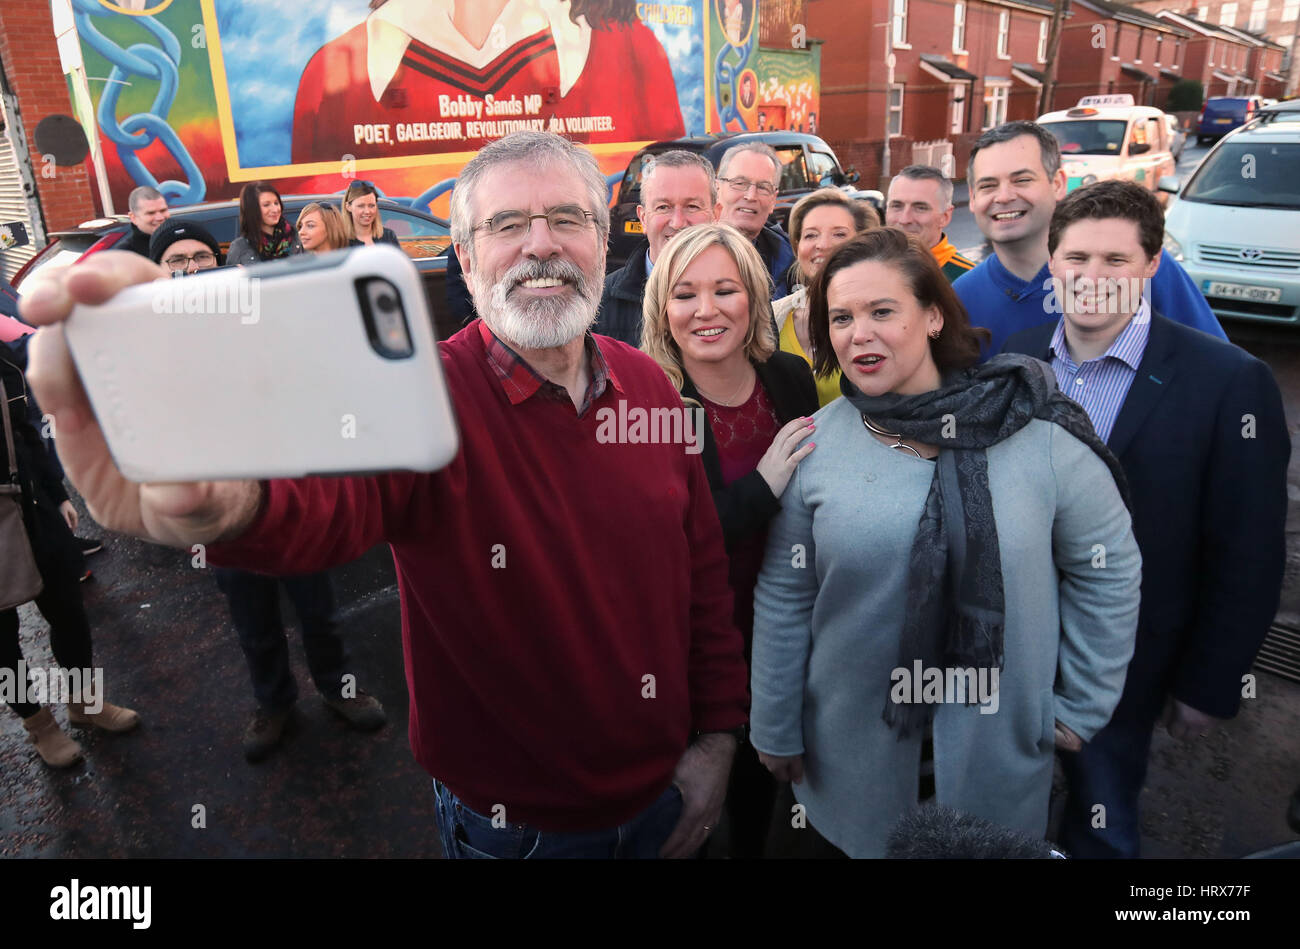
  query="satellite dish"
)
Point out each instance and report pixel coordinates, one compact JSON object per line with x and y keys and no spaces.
{"x":63,"y":137}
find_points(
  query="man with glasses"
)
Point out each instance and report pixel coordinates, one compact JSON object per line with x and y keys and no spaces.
{"x":748,"y":178}
{"x":184,"y":247}
{"x":677,"y":190}
{"x":577,"y":685}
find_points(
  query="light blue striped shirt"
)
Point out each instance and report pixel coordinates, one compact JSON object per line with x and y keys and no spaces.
{"x":1100,"y":385}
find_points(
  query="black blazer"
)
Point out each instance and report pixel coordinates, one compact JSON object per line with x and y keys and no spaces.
{"x":748,"y":504}
{"x":1205,"y":446}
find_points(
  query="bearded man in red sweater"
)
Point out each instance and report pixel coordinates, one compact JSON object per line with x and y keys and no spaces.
{"x":577,"y":686}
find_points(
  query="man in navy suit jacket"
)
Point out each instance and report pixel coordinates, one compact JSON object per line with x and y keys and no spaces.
{"x":1197,"y":425}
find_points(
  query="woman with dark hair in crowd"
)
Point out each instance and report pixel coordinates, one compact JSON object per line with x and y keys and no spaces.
{"x":264,"y":234}
{"x":705,"y":321}
{"x":361,"y":218}
{"x":819,"y":222}
{"x":958,"y":545}
{"x":321,"y":228}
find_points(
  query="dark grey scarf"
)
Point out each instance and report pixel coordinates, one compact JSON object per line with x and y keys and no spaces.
{"x":955,"y":609}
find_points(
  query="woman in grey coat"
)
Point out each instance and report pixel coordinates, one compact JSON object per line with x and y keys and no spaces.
{"x":955,"y":560}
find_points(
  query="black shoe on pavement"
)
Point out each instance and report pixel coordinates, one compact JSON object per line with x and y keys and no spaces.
{"x":363,"y":712}
{"x":88,"y":545}
{"x":1293,"y":812}
{"x":264,"y":732}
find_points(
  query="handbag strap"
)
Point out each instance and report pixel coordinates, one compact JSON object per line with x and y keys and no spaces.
{"x":9,"y":436}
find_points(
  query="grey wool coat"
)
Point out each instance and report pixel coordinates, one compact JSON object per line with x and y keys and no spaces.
{"x":829,"y":610}
{"x":241,"y":252}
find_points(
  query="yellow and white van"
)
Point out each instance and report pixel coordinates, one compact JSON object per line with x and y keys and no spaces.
{"x":1110,"y":137}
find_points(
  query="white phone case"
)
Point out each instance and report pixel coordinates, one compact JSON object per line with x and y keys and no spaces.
{"x":265,"y":372}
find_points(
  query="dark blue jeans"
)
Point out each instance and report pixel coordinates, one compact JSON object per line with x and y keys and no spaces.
{"x":255,"y":610}
{"x":1108,"y":771}
{"x":469,"y":835}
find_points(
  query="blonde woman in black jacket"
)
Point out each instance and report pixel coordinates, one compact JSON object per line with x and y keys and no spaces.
{"x":707,"y":322}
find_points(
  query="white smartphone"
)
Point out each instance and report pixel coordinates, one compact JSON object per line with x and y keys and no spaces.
{"x":312,"y":365}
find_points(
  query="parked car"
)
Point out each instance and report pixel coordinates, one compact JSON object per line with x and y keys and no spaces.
{"x":809,"y":163}
{"x":1109,"y":137}
{"x":1176,"y":137}
{"x":1235,"y":224}
{"x":425,"y":238}
{"x":1288,"y":111}
{"x":1222,"y":114}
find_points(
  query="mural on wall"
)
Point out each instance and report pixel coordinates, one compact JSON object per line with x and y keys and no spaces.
{"x":200,"y":96}
{"x":754,"y":88}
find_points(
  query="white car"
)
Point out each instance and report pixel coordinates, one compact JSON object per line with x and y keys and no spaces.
{"x":1110,"y":137}
{"x":1235,"y":225}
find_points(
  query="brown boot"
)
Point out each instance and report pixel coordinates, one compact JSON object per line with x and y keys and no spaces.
{"x":111,"y":718}
{"x":54,"y":747}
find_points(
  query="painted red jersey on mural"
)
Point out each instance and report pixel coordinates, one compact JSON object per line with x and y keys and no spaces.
{"x":436,"y":103}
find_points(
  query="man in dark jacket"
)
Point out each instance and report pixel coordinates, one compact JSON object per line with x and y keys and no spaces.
{"x":677,"y":190}
{"x":148,"y":209}
{"x":1197,"y":425}
{"x":750,"y":176}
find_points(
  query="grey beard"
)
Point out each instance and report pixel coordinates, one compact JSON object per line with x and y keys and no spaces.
{"x":543,"y":323}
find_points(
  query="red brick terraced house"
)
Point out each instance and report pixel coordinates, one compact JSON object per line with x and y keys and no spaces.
{"x":1219,"y":57}
{"x":1277,"y":21}
{"x":1117,"y":48}
{"x":1265,"y":64}
{"x":959,"y":68}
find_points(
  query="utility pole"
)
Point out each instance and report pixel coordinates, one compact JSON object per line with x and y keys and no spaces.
{"x":1293,"y":71}
{"x":1046,"y":94}
{"x":889,"y":88}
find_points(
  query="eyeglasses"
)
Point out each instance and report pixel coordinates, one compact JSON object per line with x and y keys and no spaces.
{"x":204,"y":258}
{"x":564,"y":221}
{"x":741,"y":185}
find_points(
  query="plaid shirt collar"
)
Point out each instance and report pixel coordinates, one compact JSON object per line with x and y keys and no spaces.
{"x":520,"y":381}
{"x":1129,"y":346}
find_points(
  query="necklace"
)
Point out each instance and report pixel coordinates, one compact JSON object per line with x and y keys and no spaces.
{"x":731,"y":402}
{"x":898,"y":439}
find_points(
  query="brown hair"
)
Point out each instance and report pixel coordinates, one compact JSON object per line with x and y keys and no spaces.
{"x":678,"y":254}
{"x":1110,"y":200}
{"x":250,"y":210}
{"x":336,"y":236}
{"x":864,"y":219}
{"x":958,"y":344}
{"x":359,"y":189}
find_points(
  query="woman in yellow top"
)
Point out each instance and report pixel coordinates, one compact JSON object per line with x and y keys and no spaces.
{"x":819,"y":223}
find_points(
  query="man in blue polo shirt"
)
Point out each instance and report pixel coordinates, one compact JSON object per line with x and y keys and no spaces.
{"x":1016,"y":179}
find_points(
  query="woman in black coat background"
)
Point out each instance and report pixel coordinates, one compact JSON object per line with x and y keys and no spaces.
{"x":48,"y":518}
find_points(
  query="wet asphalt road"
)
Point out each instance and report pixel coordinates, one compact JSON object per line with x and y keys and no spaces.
{"x":162,"y":634}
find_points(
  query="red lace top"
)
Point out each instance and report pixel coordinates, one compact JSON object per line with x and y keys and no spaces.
{"x":743,"y":434}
